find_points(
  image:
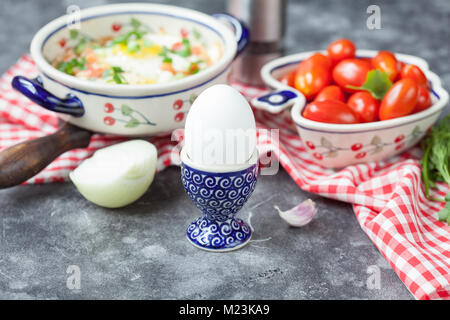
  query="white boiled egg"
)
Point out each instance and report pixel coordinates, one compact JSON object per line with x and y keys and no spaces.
{"x":118,"y":175}
{"x":220,"y":128}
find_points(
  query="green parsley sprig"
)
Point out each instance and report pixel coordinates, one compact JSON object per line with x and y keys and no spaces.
{"x":436,"y":162}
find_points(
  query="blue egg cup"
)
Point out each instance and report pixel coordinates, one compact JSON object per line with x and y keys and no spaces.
{"x":219,"y":195}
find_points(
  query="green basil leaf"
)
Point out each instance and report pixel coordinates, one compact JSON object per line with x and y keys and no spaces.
{"x":377,"y":83}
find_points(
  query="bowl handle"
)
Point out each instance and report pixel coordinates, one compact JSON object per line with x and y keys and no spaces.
{"x":33,"y":90}
{"x":277,"y":101}
{"x":240,"y":30}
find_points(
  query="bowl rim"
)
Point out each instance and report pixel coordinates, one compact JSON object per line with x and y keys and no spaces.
{"x":299,"y":120}
{"x":86,"y":86}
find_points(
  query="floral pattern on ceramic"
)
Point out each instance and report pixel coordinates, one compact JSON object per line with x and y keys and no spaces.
{"x":125,"y":115}
{"x":129,"y":117}
{"x":325,"y":149}
{"x":219,"y":195}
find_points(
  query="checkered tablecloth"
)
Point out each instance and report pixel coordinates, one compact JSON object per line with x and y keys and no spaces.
{"x":387,"y":196}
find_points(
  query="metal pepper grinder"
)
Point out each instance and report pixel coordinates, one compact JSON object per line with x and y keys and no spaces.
{"x":266,"y":21}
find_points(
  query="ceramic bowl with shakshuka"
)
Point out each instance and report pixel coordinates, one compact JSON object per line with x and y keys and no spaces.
{"x":130,"y":69}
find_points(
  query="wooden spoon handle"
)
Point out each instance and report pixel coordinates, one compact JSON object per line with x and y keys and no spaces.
{"x":26,"y":159}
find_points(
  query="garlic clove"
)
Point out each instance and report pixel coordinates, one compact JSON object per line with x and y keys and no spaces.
{"x":299,"y":215}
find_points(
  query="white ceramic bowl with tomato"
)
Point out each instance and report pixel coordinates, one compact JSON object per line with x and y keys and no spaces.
{"x":127,"y":109}
{"x":340,"y":145}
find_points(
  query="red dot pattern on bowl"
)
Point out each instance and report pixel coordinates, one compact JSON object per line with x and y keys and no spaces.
{"x":109,"y":121}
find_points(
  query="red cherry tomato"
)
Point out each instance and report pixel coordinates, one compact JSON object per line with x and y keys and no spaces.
{"x":330,"y":111}
{"x":340,"y":50}
{"x":365,"y":105}
{"x":289,"y":79}
{"x":321,"y":59}
{"x":313,"y":74}
{"x":400,"y":100}
{"x":412,"y":71}
{"x":423,"y":100}
{"x":385,"y":61}
{"x":351,"y":72}
{"x":366,"y":59}
{"x":400,"y":66}
{"x":330,"y":93}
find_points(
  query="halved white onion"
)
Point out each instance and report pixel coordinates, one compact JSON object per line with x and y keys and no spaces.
{"x":118,"y":175}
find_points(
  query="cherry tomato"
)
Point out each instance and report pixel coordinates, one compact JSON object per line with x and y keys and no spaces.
{"x":330,"y":111}
{"x":313,"y":74}
{"x":400,"y":100}
{"x":365,"y":105}
{"x":340,"y":50}
{"x":322,"y":59}
{"x":289,"y":79}
{"x":330,"y":93}
{"x":351,"y":72}
{"x":412,"y":71}
{"x":423,"y":100}
{"x":387,"y":62}
{"x":366,"y":59}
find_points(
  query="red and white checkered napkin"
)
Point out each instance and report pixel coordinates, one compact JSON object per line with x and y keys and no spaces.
{"x":387,"y":196}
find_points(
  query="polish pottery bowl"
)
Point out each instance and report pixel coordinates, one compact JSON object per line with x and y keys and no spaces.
{"x":340,"y":145}
{"x":219,"y":192}
{"x":127,"y":109}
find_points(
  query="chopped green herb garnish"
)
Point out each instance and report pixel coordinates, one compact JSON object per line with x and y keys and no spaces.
{"x":186,"y":49}
{"x":114,"y":74}
{"x":129,"y":38}
{"x":193,"y":68}
{"x":69,"y":66}
{"x":82,"y":44}
{"x":133,"y":46}
{"x":164,"y":53}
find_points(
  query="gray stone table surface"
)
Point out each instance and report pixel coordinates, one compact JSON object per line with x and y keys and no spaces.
{"x":140,"y":252}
